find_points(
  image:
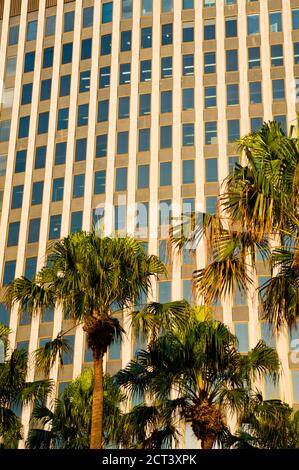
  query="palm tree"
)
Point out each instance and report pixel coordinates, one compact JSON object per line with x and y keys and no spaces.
{"x":16,"y":391}
{"x":202,"y":366}
{"x":70,"y":422}
{"x":259,"y":202}
{"x":267,"y":424}
{"x":88,"y":275}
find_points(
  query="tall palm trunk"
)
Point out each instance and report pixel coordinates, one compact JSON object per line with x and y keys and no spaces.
{"x":96,"y":435}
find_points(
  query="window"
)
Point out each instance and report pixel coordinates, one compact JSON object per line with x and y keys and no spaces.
{"x":104,"y":77}
{"x":17,"y":197}
{"x":146,"y":38}
{"x":31,"y":30}
{"x":231,"y":60}
{"x":84,"y":81}
{"x":188,"y":4}
{"x":40,"y":157}
{"x":82,"y":119}
{"x":232,"y":161}
{"x":211,"y":202}
{"x":188,"y":65}
{"x":37,"y":193}
{"x":13,"y":35}
{"x":47,"y":314}
{"x":165,"y":174}
{"x":188,"y":135}
{"x":143,"y":176}
{"x":255,"y":89}
{"x":188,"y":98}
{"x":210,"y":97}
{"x":78,"y":186}
{"x":3,"y":163}
{"x":67,"y":53}
{"x":282,"y":120}
{"x":211,"y":170}
{"x":147,"y":7}
{"x":20,"y":161}
{"x":241,"y":332}
{"x":101,"y":145}
{"x":254,"y":57}
{"x":81,"y":145}
{"x":275,"y":21}
{"x":145,"y":70}
{"x":144,"y":140}
{"x":45,"y":91}
{"x":9,"y":272}
{"x":30,"y":268}
{"x":121,"y":179}
{"x":24,"y":127}
{"x":295,"y":373}
{"x":127,"y":8}
{"x":55,"y":226}
{"x":210,"y":133}
{"x":120,"y":217}
{"x":165,"y":212}
{"x":144,"y":104}
{"x":296,"y":53}
{"x":60,"y":153}
{"x":11,"y":66}
{"x":166,"y":102}
{"x":165,"y":137}
{"x":107,"y":11}
{"x":276,"y":55}
{"x":65,"y":85}
{"x":48,"y":57}
{"x":209,"y":62}
{"x":87,"y":17}
{"x":86,"y":49}
{"x":188,"y":32}
{"x":4,"y":131}
{"x":188,"y":171}
{"x":125,"y":41}
{"x":99,"y":182}
{"x":13,"y":234}
{"x":50,"y":25}
{"x":256,"y":123}
{"x":103,"y":110}
{"x":4,"y":315}
{"x":278,"y":90}
{"x":164,"y":291}
{"x":122,"y":142}
{"x":57,"y":189}
{"x":166,"y":67}
{"x":26,"y":93}
{"x":295,"y":19}
{"x":233,"y":130}
{"x":232,"y":94}
{"x":63,"y":119}
{"x":124,"y":73}
{"x":166,"y":5}
{"x":231,"y":27}
{"x":167,"y":34}
{"x":267,"y":334}
{"x":253,"y":24}
{"x":68,"y":357}
{"x":29,"y":62}
{"x":76,"y":221}
{"x":209,"y":29}
{"x":33,"y":232}
{"x":106,"y":44}
{"x":69,"y":18}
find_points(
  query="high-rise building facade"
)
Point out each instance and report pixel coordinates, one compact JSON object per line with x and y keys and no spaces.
{"x":123,"y":114}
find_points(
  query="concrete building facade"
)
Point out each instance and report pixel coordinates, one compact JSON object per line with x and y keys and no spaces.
{"x":123,"y":114}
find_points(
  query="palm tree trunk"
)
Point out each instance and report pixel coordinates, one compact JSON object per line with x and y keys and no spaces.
{"x":96,"y":435}
{"x":208,"y":442}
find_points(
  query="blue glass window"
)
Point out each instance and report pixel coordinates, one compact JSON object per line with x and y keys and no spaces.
{"x":99,"y":182}
{"x":13,"y":234}
{"x":69,"y":18}
{"x":231,"y":27}
{"x":37,"y":193}
{"x":48,"y":57}
{"x":144,"y":104}
{"x":30,"y":268}
{"x":60,"y":153}
{"x":144,"y":140}
{"x":232,"y":60}
{"x":50,"y":25}
{"x":295,"y":19}
{"x":106,"y":44}
{"x":124,"y":73}
{"x":166,"y":101}
{"x":211,"y":170}
{"x":63,"y":119}
{"x":232,"y":94}
{"x":68,"y":357}
{"x":55,"y":226}
{"x":164,"y":293}
{"x":103,"y":110}
{"x":4,"y":315}
{"x":81,"y":145}
{"x":188,"y":32}
{"x":84,"y":81}
{"x":210,"y":133}
{"x":167,"y":34}
{"x":20,"y":164}
{"x":17,"y":197}
{"x":76,"y":221}
{"x":122,"y":142}
{"x":43,"y":123}
{"x":254,"y":57}
{"x":145,"y":70}
{"x":57,"y":190}
{"x":233,"y":130}
{"x":65,"y":85}
{"x":45,"y":92}
{"x":126,"y":41}
{"x":86,"y":49}
{"x":101,"y":145}
{"x":146,"y":37}
{"x":9,"y":272}
{"x":124,"y":107}
{"x":188,"y":65}
{"x":104,"y":77}
{"x":33,"y":232}
{"x":115,"y":349}
{"x":209,"y":62}
{"x":121,"y":179}
{"x":165,"y":137}
{"x":48,"y":314}
{"x":166,"y":67}
{"x":107,"y":12}
{"x":120,"y":217}
{"x":87,"y":17}
{"x":40,"y":157}
{"x":67,"y":53}
{"x":82,"y":115}
{"x":127,"y":8}
{"x":188,"y":98}
{"x":26,"y":93}
{"x":143,"y":176}
{"x":188,"y":171}
{"x":24,"y":127}
{"x":165,"y":174}
{"x":188,"y":135}
{"x":29,"y":61}
{"x":78,"y":186}
{"x":13,"y":35}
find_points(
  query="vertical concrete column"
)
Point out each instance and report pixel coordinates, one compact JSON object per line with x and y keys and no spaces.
{"x":3,"y":45}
